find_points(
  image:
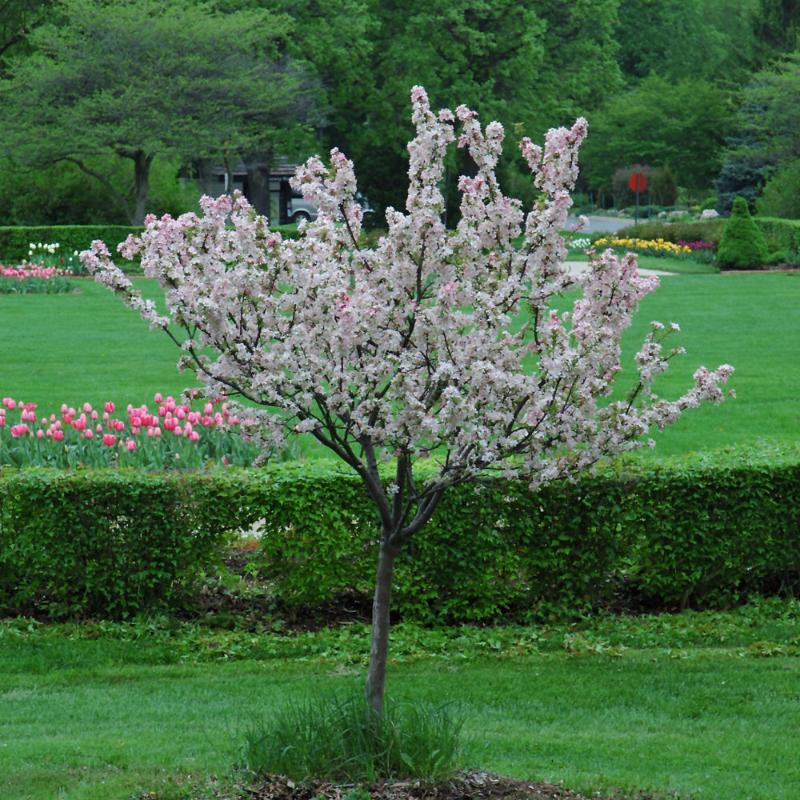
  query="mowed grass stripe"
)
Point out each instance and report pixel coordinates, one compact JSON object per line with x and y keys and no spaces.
{"x":712,"y":725}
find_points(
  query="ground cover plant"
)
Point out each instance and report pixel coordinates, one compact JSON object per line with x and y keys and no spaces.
{"x":413,"y":348}
{"x":702,"y":705}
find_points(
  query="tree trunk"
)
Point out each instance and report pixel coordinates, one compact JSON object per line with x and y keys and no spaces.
{"x":379,"y":652}
{"x":258,"y":166}
{"x":141,"y":167}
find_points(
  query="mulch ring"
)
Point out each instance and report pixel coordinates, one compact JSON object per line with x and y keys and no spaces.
{"x":465,"y":786}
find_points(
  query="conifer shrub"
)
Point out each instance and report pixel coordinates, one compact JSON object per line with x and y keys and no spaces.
{"x":743,"y":246}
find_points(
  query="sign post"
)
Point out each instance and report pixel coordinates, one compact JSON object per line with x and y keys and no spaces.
{"x":637,"y":183}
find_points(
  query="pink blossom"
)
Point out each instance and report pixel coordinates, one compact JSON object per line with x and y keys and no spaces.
{"x":108,"y":407}
{"x":109,"y":440}
{"x":430,"y":341}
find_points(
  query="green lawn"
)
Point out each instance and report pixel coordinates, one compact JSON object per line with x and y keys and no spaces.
{"x":684,"y":704}
{"x":680,"y":266}
{"x":86,"y":346}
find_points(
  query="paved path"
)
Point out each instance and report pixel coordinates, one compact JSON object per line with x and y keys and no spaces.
{"x":600,"y":224}
{"x":577,"y":267}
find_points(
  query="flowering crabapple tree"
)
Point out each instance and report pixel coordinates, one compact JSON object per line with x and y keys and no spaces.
{"x":433,"y":344}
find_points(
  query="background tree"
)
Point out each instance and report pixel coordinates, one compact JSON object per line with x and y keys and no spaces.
{"x":677,"y":125}
{"x":17,"y":19}
{"x":144,"y":79}
{"x":432,"y":346}
{"x":766,"y":133}
{"x":776,"y":24}
{"x":536,"y":65}
{"x":686,"y":39}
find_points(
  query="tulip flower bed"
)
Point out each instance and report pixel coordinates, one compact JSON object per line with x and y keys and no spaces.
{"x":647,"y":247}
{"x":33,"y":279}
{"x":170,"y":435}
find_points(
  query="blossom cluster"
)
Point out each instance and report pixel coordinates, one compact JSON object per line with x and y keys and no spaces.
{"x":79,"y":435}
{"x":432,"y":343}
{"x":658,"y":247}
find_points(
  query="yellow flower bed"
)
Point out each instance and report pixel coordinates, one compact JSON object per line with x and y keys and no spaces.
{"x":652,"y":246}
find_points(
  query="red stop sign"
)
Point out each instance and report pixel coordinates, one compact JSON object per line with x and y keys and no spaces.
{"x":637,"y":182}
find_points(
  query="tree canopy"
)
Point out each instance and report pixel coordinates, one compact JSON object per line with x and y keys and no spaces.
{"x":196,"y":82}
{"x":681,"y":125}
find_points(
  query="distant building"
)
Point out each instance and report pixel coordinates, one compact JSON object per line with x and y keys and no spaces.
{"x":286,"y":205}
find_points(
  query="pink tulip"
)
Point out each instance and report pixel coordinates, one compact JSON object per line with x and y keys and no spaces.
{"x":18,"y":430}
{"x":206,"y":421}
{"x":180,"y":412}
{"x":88,"y":434}
{"x":80,"y":423}
{"x":162,"y":411}
{"x":194,"y":436}
{"x":40,"y":434}
{"x":2,"y":422}
{"x":94,"y":414}
{"x":208,"y":408}
{"x":131,"y":445}
{"x":58,"y":435}
{"x":158,"y":397}
{"x":109,"y":440}
{"x":170,"y":423}
{"x":109,"y":406}
{"x":87,"y":407}
{"x":178,"y":430}
{"x":99,"y":428}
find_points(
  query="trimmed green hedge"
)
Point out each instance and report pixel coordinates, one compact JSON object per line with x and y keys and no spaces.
{"x":703,"y":531}
{"x":108,"y":543}
{"x":15,"y":240}
{"x":706,"y":231}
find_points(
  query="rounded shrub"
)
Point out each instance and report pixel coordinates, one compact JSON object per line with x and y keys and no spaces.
{"x":743,"y":246}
